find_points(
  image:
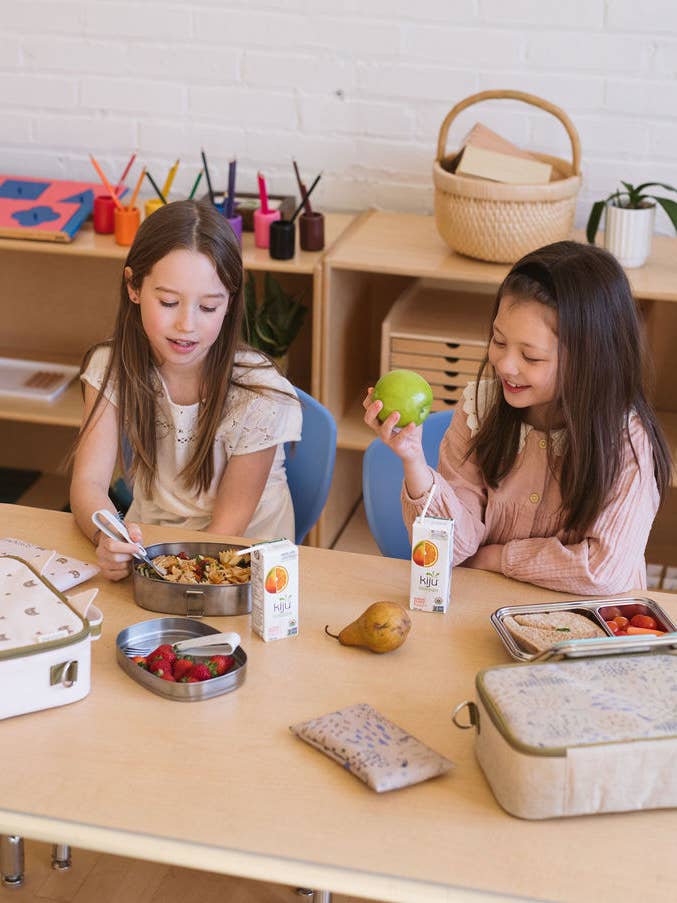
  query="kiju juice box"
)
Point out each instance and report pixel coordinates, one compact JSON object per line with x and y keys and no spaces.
{"x":275,"y":590}
{"x":432,"y":555}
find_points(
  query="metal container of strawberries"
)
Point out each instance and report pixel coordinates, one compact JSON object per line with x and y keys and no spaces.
{"x":141,"y":639}
{"x":190,"y":599}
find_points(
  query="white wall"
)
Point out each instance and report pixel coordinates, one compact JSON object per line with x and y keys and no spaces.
{"x":355,"y":88}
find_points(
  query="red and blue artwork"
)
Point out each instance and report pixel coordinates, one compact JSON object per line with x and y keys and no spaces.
{"x":45,"y":209}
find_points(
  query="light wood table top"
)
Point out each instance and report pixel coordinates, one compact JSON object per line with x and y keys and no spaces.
{"x":222,"y":785}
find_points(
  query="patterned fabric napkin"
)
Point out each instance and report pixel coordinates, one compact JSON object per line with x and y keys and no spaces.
{"x":63,"y":572}
{"x":373,"y":748}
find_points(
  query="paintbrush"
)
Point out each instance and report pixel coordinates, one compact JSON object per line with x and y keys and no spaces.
{"x":125,"y":173}
{"x":155,"y":188}
{"x":302,"y":188}
{"x":167,"y":187}
{"x":137,"y":189}
{"x":305,"y":197}
{"x":194,"y":188}
{"x":106,"y":183}
{"x":209,"y":181}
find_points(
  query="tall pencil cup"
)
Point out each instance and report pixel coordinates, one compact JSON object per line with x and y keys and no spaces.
{"x":102,"y":216}
{"x":262,"y":223}
{"x":235,"y":223}
{"x":126,"y":225}
{"x":282,"y":239}
{"x":311,"y":231}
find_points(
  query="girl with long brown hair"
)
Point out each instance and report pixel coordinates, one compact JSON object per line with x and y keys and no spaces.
{"x":554,"y":464}
{"x":202,"y":417}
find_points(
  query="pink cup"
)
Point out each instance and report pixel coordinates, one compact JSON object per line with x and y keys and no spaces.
{"x":262,"y":223}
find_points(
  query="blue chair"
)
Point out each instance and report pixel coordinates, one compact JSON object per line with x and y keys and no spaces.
{"x":310,"y":464}
{"x":382,"y":475}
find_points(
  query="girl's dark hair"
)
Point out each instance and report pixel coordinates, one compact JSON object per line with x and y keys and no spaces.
{"x":600,"y":380}
{"x":194,"y":226}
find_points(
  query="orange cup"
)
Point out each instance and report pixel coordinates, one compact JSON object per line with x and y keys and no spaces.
{"x":126,"y":225}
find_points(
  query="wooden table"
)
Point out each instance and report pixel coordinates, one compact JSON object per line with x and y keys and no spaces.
{"x":222,"y":785}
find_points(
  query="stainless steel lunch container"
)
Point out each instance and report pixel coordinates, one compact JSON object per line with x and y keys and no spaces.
{"x":590,"y":608}
{"x":140,"y":639}
{"x":191,"y":600}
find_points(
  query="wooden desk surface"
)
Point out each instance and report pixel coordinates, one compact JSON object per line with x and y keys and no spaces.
{"x":222,"y":785}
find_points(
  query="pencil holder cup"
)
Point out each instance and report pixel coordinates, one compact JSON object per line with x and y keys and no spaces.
{"x":262,"y":223}
{"x":282,"y":239}
{"x":104,"y":221}
{"x":126,"y":223}
{"x":311,"y":231}
{"x":235,"y":223}
{"x":151,"y":205}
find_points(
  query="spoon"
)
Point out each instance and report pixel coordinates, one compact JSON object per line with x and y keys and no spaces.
{"x":112,"y":526}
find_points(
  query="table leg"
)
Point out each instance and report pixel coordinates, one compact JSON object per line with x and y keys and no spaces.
{"x":12,"y":860}
{"x":61,"y":856}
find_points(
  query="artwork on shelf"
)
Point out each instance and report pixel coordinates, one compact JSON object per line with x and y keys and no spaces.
{"x":45,"y":209}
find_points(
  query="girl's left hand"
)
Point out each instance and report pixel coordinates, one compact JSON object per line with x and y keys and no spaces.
{"x":486,"y":558}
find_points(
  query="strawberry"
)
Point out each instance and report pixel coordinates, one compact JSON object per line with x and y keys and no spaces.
{"x":200,"y":672}
{"x":165,"y":651}
{"x":181,"y":667}
{"x":169,"y":677}
{"x":189,"y":680}
{"x":220,"y":664}
{"x":140,"y":660}
{"x":160,"y":667}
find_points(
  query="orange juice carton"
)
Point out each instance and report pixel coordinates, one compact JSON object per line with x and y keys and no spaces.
{"x":275,"y":590}
{"x":432,"y":554}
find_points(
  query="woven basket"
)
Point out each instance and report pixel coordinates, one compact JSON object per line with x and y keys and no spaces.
{"x":499,"y":222}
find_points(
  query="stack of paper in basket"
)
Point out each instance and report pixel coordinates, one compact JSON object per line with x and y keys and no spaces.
{"x":486,"y":155}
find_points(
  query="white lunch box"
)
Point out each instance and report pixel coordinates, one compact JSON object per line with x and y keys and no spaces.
{"x":45,"y":640}
{"x":589,"y":726}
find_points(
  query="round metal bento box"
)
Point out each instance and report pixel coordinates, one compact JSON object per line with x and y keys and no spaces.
{"x":140,"y":639}
{"x":192,"y":600}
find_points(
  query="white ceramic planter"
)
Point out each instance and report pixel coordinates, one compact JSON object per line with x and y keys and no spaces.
{"x":628,"y":233}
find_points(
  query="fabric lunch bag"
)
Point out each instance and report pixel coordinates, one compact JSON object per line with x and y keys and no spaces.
{"x":590,"y":726}
{"x":45,"y":640}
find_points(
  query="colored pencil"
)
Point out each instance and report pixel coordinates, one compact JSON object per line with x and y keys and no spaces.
{"x":125,"y":173}
{"x":155,"y":188}
{"x":106,"y":183}
{"x":305,"y":197}
{"x":263,"y":194}
{"x":209,"y":181}
{"x":302,"y":188}
{"x":230,"y":198}
{"x":195,"y":184}
{"x":137,"y":189}
{"x":167,"y":187}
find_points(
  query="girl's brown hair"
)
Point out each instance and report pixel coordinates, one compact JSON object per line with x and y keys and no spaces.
{"x":601,"y":371}
{"x":194,"y":226}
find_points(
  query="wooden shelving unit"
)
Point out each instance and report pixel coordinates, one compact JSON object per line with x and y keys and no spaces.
{"x":380,"y":257}
{"x":57,"y":300}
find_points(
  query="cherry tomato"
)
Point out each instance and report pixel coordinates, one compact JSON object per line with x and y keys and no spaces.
{"x":610,"y":613}
{"x":643,"y":621}
{"x":613,"y":626}
{"x":621,"y":622}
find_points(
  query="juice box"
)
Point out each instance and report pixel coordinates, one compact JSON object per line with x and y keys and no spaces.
{"x":432,"y":554}
{"x":275,"y":590}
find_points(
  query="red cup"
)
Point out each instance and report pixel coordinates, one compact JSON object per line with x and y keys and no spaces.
{"x":104,"y":214}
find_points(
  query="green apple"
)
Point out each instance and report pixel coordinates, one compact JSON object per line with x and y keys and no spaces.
{"x":406,"y":392}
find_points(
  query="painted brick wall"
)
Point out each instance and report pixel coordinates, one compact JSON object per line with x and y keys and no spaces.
{"x":355,"y":88}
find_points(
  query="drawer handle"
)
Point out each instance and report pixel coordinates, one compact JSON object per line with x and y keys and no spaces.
{"x":452,"y":344}
{"x":451,"y":373}
{"x":452,"y":360}
{"x":448,"y":388}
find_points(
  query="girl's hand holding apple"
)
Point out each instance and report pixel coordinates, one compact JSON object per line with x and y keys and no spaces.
{"x":405,"y":442}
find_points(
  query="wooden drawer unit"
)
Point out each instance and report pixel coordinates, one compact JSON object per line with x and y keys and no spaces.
{"x":441,"y":334}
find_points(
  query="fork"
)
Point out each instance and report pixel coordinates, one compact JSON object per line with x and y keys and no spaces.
{"x":112,"y":526}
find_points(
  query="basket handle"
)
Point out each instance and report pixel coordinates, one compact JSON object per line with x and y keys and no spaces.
{"x":525,"y":98}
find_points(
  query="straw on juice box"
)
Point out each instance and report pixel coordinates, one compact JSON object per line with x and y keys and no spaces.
{"x":275,"y":589}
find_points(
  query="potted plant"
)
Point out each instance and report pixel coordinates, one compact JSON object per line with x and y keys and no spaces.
{"x":273,"y":324}
{"x":629,"y":221}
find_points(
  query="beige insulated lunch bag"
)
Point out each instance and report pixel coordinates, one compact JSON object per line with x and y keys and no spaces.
{"x":44,"y":641}
{"x":583,"y":734}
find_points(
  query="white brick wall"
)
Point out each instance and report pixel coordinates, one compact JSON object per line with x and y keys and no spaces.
{"x":355,"y":88}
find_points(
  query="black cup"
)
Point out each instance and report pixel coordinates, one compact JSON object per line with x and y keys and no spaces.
{"x":282,"y":239}
{"x":311,"y":231}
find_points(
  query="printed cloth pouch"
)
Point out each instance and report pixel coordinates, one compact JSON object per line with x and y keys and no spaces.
{"x":61,"y":571}
{"x":372,"y":748}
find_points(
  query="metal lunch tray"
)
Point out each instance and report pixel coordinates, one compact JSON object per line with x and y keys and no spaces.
{"x":144,"y":637}
{"x":190,"y":599}
{"x":588,"y":607}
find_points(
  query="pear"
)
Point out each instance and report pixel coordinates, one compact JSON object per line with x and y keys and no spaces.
{"x":381,"y":628}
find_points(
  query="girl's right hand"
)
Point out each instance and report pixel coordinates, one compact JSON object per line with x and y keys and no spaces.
{"x":115,"y":556}
{"x":405,"y":442}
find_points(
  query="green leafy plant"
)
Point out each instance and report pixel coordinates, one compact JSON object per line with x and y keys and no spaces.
{"x":273,"y":324}
{"x":632,"y":197}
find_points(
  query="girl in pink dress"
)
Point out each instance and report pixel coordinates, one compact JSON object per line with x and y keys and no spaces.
{"x":554,"y":464}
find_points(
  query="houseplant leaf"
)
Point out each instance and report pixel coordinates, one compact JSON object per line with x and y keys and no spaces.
{"x":593,"y":220}
{"x":670,"y":208}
